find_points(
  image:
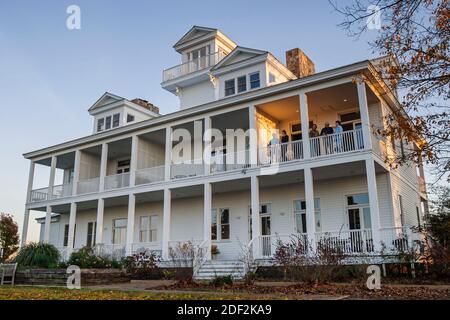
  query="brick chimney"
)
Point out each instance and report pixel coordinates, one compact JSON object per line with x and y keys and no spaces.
{"x":299,"y":63}
{"x":145,"y":104}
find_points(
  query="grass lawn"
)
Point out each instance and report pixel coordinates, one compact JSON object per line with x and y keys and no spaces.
{"x":43,"y":293}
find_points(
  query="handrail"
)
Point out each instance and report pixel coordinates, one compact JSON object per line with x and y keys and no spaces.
{"x":200,"y":259}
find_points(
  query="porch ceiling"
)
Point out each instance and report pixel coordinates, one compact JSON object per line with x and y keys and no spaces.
{"x":235,"y":119}
{"x":119,"y":149}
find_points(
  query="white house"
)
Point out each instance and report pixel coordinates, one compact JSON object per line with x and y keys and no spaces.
{"x":125,"y":190}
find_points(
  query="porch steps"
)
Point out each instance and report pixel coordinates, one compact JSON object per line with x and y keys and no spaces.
{"x":217,"y":268}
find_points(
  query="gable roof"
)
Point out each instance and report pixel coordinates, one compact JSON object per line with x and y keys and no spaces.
{"x":194,"y":33}
{"x":233,"y":56}
{"x":106,"y":98}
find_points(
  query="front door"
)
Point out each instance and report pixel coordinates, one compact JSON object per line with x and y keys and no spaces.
{"x":265,"y":231}
{"x":359,"y":219}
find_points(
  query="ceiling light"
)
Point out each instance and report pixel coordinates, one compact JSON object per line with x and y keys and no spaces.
{"x":345,"y":100}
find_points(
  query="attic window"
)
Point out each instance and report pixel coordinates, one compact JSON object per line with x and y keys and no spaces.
{"x":230,"y":87}
{"x":254,"y":80}
{"x":108,"y":123}
{"x":100,"y":123}
{"x":116,"y":119}
{"x":130,"y":118}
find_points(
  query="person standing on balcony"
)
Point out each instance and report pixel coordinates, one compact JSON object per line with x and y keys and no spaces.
{"x":327,"y":141}
{"x":273,"y":147}
{"x":315,"y":143}
{"x":338,"y":132}
{"x":284,"y":146}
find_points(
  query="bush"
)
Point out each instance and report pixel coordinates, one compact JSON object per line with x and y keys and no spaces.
{"x":141,"y":264}
{"x":222,"y":281}
{"x":86,"y":259}
{"x":38,"y":255}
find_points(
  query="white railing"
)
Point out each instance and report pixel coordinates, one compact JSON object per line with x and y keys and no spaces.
{"x":346,"y":242}
{"x":192,"y":66}
{"x":230,"y":161}
{"x":268,"y":243}
{"x":62,"y":191}
{"x":150,"y":175}
{"x":111,"y":251}
{"x":200,"y":255}
{"x":117,"y":181}
{"x":191,"y":168}
{"x":337,"y":143}
{"x":88,"y":186}
{"x":397,"y":240}
{"x":283,"y":152}
{"x":147,"y":247}
{"x":39,"y":195}
{"x":63,"y":253}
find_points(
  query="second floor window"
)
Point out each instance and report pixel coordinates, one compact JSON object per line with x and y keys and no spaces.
{"x":254,"y":80}
{"x":229,"y":87}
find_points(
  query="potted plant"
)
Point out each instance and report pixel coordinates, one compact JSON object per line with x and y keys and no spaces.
{"x":214,"y":251}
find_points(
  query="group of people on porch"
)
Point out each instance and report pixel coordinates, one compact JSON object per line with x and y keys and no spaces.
{"x":284,"y":140}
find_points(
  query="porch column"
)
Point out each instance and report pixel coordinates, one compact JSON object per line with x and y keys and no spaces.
{"x":166,"y":223}
{"x":51,"y":181}
{"x":207,"y":150}
{"x":304,"y":119}
{"x":133,"y":160}
{"x":103,"y":166}
{"x":26,"y":215}
{"x":76,"y":172}
{"x":99,"y":230}
{"x":309,"y":201}
{"x":130,"y":224}
{"x":71,"y":235}
{"x":207,"y":207}
{"x":364,"y":111}
{"x":373,"y":202}
{"x":168,"y":154}
{"x":253,"y":137}
{"x":256,"y":223}
{"x":48,"y":220}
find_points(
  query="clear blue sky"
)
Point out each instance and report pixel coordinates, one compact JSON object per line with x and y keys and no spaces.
{"x":50,"y":76}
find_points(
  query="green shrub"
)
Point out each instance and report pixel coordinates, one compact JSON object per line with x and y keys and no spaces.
{"x":222,"y":281}
{"x":38,"y":255}
{"x":86,"y":259}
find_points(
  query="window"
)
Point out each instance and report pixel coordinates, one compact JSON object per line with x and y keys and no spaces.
{"x":358,"y":212}
{"x":90,"y":241}
{"x":108,"y":123}
{"x":130,"y":118}
{"x":400,"y":208}
{"x":116,"y":120}
{"x":254,"y":80}
{"x":419,"y":224}
{"x":119,"y":235}
{"x":272,"y":78}
{"x":300,"y":215}
{"x":100,"y":123}
{"x":358,"y":199}
{"x":242,"y":84}
{"x":220,"y":224}
{"x":229,"y":87}
{"x":148,"y":229}
{"x":123,"y":166}
{"x":66,"y":235}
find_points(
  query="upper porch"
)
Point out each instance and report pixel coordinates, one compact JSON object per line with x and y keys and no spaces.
{"x":204,"y":148}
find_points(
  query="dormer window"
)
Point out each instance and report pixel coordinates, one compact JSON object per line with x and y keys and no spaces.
{"x":230,"y":87}
{"x":116,"y":120}
{"x":130,"y":118}
{"x":254,"y":80}
{"x":100,"y":123}
{"x":108,"y":123}
{"x":242,"y":84}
